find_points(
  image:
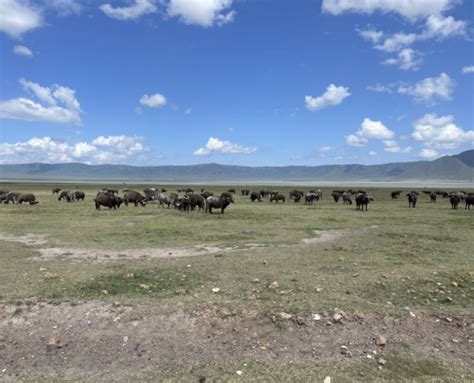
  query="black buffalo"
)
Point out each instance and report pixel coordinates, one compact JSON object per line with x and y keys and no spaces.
{"x":455,"y":199}
{"x":469,"y":201}
{"x":412,"y":197}
{"x":255,"y":196}
{"x":362,"y":200}
{"x":27,"y":198}
{"x":196,"y":200}
{"x":277,"y":197}
{"x":217,"y":203}
{"x":108,"y":200}
{"x":135,"y":198}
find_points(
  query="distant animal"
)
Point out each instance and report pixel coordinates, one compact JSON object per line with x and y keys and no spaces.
{"x":347,"y":198}
{"x":469,"y":201}
{"x":277,"y":197}
{"x":182,"y":203}
{"x":135,"y":198}
{"x":108,"y":200}
{"x":455,"y":199}
{"x":296,"y":195}
{"x":231,"y":190}
{"x":336,"y":195}
{"x":196,"y":200}
{"x":245,"y":192}
{"x":433,"y":197}
{"x":4,"y":191}
{"x":217,"y":203}
{"x":309,"y":198}
{"x":166,"y":199}
{"x":412,"y":197}
{"x":68,"y":196}
{"x":255,"y":196}
{"x":228,"y":195}
{"x":362,"y":200}
{"x":27,"y":198}
{"x":396,"y":194}
{"x":12,"y":197}
{"x":56,"y":190}
{"x":79,"y":195}
{"x":206,"y":194}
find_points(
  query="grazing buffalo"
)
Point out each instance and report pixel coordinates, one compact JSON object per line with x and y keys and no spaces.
{"x":217,"y":203}
{"x":277,"y":197}
{"x":347,"y":198}
{"x":245,"y":192}
{"x":108,"y":200}
{"x":56,"y":190}
{"x":12,"y":197}
{"x":255,"y":196}
{"x":396,"y":194}
{"x":469,"y":201}
{"x":166,"y":199}
{"x":135,"y":198}
{"x":296,"y":195}
{"x":3,"y":197}
{"x":231,"y":191}
{"x":318,"y":192}
{"x":455,"y":199}
{"x":5,"y":191}
{"x":28,"y":198}
{"x":362,"y":200}
{"x":206,"y":194}
{"x":412,"y":197}
{"x":433,"y":197}
{"x":182,"y":203}
{"x":68,"y":196}
{"x":228,"y":195}
{"x":196,"y":200}
{"x":79,"y":195}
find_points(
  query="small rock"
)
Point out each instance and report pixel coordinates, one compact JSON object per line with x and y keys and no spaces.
{"x":145,"y":286}
{"x":285,"y":316}
{"x":239,"y":372}
{"x":327,"y":379}
{"x":412,"y":315}
{"x":337,"y":317}
{"x":455,"y":341}
{"x":316,"y":317}
{"x":355,"y":275}
{"x":380,"y":340}
{"x":319,"y":289}
{"x":274,"y":285}
{"x":256,"y":280}
{"x":455,"y":284}
{"x":188,"y":266}
{"x":382,"y":361}
{"x":449,"y":320}
{"x":42,"y":269}
{"x":104,"y":292}
{"x":130,"y":276}
{"x":53,"y":343}
{"x":300,"y":321}
{"x":215,"y":290}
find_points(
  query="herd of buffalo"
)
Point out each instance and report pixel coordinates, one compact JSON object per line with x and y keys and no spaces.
{"x":206,"y":200}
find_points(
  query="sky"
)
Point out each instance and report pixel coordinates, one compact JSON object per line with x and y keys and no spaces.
{"x":243,"y":82}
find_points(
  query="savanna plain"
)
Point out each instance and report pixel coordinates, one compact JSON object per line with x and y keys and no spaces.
{"x":265,"y":292}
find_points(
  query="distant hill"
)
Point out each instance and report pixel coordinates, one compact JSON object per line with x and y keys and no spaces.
{"x":449,"y":168}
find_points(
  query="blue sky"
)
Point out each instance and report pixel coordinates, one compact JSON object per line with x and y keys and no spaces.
{"x":237,"y":82}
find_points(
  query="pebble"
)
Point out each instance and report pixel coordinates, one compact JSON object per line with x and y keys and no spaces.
{"x":316,"y":317}
{"x":380,"y":340}
{"x":274,"y":285}
{"x":284,"y":315}
{"x":215,"y":290}
{"x":327,"y":379}
{"x":382,"y":361}
{"x":239,"y":372}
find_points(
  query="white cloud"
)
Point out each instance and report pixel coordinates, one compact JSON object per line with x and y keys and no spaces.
{"x":370,"y":130}
{"x":204,"y":13}
{"x":64,"y":7}
{"x":381,"y":88}
{"x":57,"y":104}
{"x":392,"y":146}
{"x":371,"y":35}
{"x":334,"y":95}
{"x":411,"y":9}
{"x":438,"y":26}
{"x":407,"y":59}
{"x":21,"y":50}
{"x":214,"y":145}
{"x":372,"y":153}
{"x":153,"y":101}
{"x":397,"y":41}
{"x":18,"y":17}
{"x":468,"y":69}
{"x":428,"y":153}
{"x":132,"y":12}
{"x":440,"y":132}
{"x":430,"y":89}
{"x":325,"y":149}
{"x":112,"y":149}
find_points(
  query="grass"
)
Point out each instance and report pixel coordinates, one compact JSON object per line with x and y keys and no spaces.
{"x":408,"y":257}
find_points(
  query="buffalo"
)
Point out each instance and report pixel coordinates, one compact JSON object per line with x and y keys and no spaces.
{"x":228,"y":195}
{"x":296,"y":195}
{"x":67,"y":196}
{"x":277,"y":197}
{"x":56,"y":190}
{"x":28,"y":198}
{"x":309,"y":198}
{"x":396,"y":194}
{"x":433,"y":197}
{"x":469,"y":201}
{"x":196,"y":200}
{"x":79,"y":195}
{"x":255,"y":196}
{"x":166,"y":199}
{"x":135,"y":198}
{"x":182,"y":203}
{"x":12,"y":197}
{"x":108,"y":200}
{"x":347,"y":198}
{"x":336,"y":194}
{"x":206,"y":194}
{"x":362,"y":200}
{"x":455,"y":199}
{"x":217,"y":203}
{"x":412,"y":197}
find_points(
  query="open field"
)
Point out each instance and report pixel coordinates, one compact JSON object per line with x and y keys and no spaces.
{"x":303,"y":291}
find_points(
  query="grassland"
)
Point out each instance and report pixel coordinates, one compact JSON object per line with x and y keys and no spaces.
{"x":70,"y":271}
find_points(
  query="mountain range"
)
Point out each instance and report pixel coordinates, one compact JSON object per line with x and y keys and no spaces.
{"x":458,"y":167}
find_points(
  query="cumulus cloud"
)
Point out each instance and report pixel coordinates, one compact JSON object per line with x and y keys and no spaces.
{"x":407,"y":59}
{"x":21,"y":50}
{"x":430,"y":90}
{"x":428,"y":153}
{"x":442,"y":27}
{"x":110,"y":149}
{"x":132,"y":12}
{"x":410,"y":9}
{"x":215,"y":145}
{"x":468,"y":69}
{"x":397,"y":41}
{"x":392,"y":146}
{"x":440,"y":132}
{"x":370,"y":129}
{"x":153,"y":101}
{"x":57,"y":104}
{"x":18,"y":17}
{"x":334,"y":95}
{"x":204,"y":13}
